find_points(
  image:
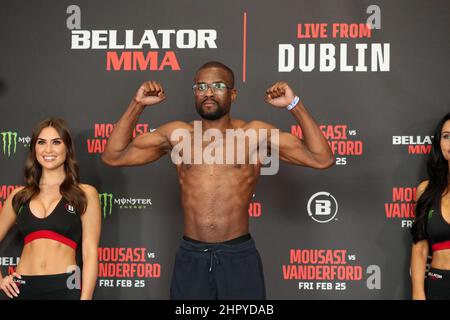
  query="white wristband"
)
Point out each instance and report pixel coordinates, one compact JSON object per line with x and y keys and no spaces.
{"x":293,"y":103}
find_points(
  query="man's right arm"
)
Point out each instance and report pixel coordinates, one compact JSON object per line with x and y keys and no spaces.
{"x":121,"y":149}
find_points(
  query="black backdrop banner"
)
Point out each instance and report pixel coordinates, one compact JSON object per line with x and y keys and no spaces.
{"x":374,"y":74}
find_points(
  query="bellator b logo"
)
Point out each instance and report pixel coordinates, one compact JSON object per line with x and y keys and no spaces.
{"x":70,"y":209}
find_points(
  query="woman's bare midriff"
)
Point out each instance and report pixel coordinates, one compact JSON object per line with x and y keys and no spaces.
{"x":46,"y":257}
{"x":441,"y":259}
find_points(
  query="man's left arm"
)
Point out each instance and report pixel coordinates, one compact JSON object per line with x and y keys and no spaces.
{"x":311,"y":151}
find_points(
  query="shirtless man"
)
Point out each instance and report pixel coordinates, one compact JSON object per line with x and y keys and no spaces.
{"x":217,"y":258}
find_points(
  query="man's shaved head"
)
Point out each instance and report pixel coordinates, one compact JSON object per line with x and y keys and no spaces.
{"x":216,"y":64}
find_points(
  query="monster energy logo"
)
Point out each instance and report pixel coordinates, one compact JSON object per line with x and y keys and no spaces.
{"x":106,"y":202}
{"x":9,"y":139}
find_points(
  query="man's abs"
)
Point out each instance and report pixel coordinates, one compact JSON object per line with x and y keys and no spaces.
{"x":215,"y":200}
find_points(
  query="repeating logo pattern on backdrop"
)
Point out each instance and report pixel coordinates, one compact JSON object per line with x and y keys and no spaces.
{"x":343,"y":141}
{"x":127,"y":267}
{"x":102,"y":131}
{"x":322,"y":207}
{"x":10,"y":140}
{"x":8,"y":265}
{"x":401,"y":206}
{"x":109,"y":201}
{"x":347,"y":44}
{"x":328,"y":269}
{"x":5,"y":192}
{"x":414,"y":144}
{"x":154,"y":50}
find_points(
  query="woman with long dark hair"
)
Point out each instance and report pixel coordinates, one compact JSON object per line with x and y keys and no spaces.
{"x":431,"y":227}
{"x":55,"y":214}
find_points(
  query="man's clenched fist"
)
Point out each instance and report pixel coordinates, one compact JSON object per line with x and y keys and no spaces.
{"x":150,"y":93}
{"x":279,"y":95}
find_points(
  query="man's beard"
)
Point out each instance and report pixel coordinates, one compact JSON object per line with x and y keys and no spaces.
{"x":217,"y":114}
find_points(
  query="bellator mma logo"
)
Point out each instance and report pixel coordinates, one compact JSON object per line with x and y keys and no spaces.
{"x":342,"y":140}
{"x":133,"y":45}
{"x":10,"y":263}
{"x":415,"y":144}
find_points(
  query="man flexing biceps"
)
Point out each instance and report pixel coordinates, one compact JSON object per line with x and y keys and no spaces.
{"x":217,"y":258}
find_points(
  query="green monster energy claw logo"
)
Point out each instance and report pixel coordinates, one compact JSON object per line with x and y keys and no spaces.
{"x":106,"y":202}
{"x":9,"y":139}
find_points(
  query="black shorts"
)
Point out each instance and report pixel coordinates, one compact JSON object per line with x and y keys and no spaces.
{"x":228,"y":270}
{"x":46,"y":287}
{"x":437,"y":284}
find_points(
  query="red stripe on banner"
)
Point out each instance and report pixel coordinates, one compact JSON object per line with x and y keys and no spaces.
{"x":47,"y":234}
{"x":244,"y":50}
{"x":441,"y":246}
